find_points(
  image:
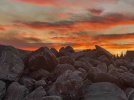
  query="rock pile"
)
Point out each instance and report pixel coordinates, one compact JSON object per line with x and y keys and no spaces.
{"x":46,"y":74}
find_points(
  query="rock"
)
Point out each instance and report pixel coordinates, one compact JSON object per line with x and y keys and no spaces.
{"x":66,"y":51}
{"x":55,"y":52}
{"x":130,"y":93}
{"x":102,"y":51}
{"x":81,"y":64}
{"x":104,"y":59}
{"x":2,"y":90}
{"x":67,"y":85}
{"x":52,"y":98}
{"x":62,"y":68}
{"x":42,"y":58}
{"x":39,"y":74}
{"x":38,"y":94}
{"x":102,"y":67}
{"x":16,"y":92}
{"x":129,"y":54}
{"x":40,"y":83}
{"x":66,"y":60}
{"x":11,"y":66}
{"x":104,"y":91}
{"x":28,"y":82}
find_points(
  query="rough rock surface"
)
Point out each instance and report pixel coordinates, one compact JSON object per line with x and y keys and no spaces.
{"x":48,"y":74}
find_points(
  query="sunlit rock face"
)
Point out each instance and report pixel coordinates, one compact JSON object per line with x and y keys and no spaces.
{"x":46,"y":74}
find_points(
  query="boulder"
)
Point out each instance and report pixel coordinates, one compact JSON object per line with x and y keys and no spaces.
{"x":66,"y":60}
{"x":102,"y":67}
{"x":16,"y":92}
{"x":38,"y":94}
{"x":62,"y":68}
{"x":11,"y":66}
{"x":104,"y":91}
{"x":52,"y":98}
{"x":2,"y":89}
{"x":102,"y":51}
{"x":130,"y":93}
{"x":40,"y":83}
{"x":55,"y":52}
{"x":27,"y":82}
{"x":67,"y":85}
{"x":66,"y":51}
{"x":42,"y":58}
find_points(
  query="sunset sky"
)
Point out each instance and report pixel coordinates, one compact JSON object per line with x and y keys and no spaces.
{"x":29,"y":24}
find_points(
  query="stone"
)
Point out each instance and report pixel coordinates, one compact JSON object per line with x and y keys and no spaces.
{"x":130,"y":93}
{"x":66,"y":60}
{"x":104,"y":91}
{"x":55,"y":52}
{"x":42,"y":58}
{"x":16,"y":92}
{"x":11,"y":66}
{"x":37,"y":94}
{"x":66,"y":51}
{"x":2,"y":89}
{"x":40,"y":83}
{"x":102,"y":67}
{"x":67,"y":85}
{"x":52,"y":98}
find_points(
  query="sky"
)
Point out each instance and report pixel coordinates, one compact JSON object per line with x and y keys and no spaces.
{"x":82,"y":24}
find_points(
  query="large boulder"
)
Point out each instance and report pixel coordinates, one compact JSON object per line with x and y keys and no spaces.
{"x":66,"y":60}
{"x":38,"y":94}
{"x":130,"y":93}
{"x":104,"y":91}
{"x":41,"y":58}
{"x":2,"y":90}
{"x":11,"y":66}
{"x":66,"y":51}
{"x":102,"y":67}
{"x":16,"y":92}
{"x":67,"y":85}
{"x":55,"y":52}
{"x":102,"y":51}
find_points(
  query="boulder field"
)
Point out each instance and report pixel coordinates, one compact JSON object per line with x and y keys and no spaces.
{"x":48,"y":74}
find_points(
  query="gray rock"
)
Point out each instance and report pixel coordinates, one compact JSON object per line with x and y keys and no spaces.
{"x":38,"y":94}
{"x":55,"y":52}
{"x":40,"y":83}
{"x":42,"y":58}
{"x":130,"y":93}
{"x":2,"y":89}
{"x":102,"y":67}
{"x":66,"y":51}
{"x":28,"y":82}
{"x":11,"y":66}
{"x":66,"y":60}
{"x":104,"y":91}
{"x":16,"y":92}
{"x":67,"y":85}
{"x":52,"y":98}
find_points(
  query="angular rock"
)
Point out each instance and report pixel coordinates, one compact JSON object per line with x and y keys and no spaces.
{"x":66,"y":60}
{"x":52,"y":98}
{"x":42,"y":58}
{"x":67,"y":85}
{"x":62,"y":68}
{"x":102,"y":51}
{"x":38,"y":94}
{"x":104,"y":91}
{"x":28,"y":82}
{"x":11,"y":66}
{"x":66,"y":51}
{"x":2,"y":90}
{"x":16,"y":92}
{"x":55,"y":52}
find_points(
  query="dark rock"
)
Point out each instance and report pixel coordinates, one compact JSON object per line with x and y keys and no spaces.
{"x":11,"y":66}
{"x":102,"y":67}
{"x":16,"y":92}
{"x":40,"y":74}
{"x":102,"y":51}
{"x":42,"y":58}
{"x":2,"y":90}
{"x":55,"y":52}
{"x":28,"y":82}
{"x":129,"y":54}
{"x":38,"y":94}
{"x":62,"y":68}
{"x":66,"y":60}
{"x":130,"y":93}
{"x":52,"y":98}
{"x":40,"y":83}
{"x":66,"y":51}
{"x":67,"y":85}
{"x":104,"y":91}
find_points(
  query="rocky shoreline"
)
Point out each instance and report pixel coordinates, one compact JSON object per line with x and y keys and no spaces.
{"x":48,"y":74}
